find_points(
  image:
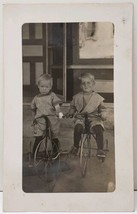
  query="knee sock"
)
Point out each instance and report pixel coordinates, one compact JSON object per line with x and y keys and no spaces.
{"x":98,"y":130}
{"x":78,"y":130}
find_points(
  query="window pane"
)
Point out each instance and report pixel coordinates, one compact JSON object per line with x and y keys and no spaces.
{"x":38,"y":31}
{"x":39,"y":70}
{"x":55,"y":34}
{"x":26,"y":73}
{"x":96,"y":40}
{"x":57,"y":75}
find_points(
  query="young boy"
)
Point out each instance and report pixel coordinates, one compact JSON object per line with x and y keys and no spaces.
{"x":88,"y":101}
{"x":46,"y":103}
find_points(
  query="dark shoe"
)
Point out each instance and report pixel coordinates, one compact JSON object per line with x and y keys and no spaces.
{"x":74,"y":150}
{"x":101,"y":154}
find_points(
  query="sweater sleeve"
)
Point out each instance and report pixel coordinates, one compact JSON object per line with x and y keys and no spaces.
{"x":72,"y":108}
{"x":102,"y":107}
{"x":103,"y":111}
{"x":33,"y":104}
{"x":55,"y":100}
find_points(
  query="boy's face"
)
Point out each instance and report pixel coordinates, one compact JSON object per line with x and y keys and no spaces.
{"x":45,"y":86}
{"x":87,"y":84}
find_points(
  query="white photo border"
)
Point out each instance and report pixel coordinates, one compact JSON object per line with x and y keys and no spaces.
{"x":15,"y":15}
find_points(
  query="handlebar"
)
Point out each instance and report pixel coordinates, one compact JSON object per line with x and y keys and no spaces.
{"x":48,"y":115}
{"x":45,"y":116}
{"x":84,"y":115}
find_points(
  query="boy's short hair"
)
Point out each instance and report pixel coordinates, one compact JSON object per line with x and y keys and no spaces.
{"x":89,"y":75}
{"x":47,"y":77}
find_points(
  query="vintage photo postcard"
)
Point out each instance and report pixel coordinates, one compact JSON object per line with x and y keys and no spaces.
{"x":68,"y":107}
{"x":2,"y":98}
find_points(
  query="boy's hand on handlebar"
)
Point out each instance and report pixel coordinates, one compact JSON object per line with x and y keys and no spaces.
{"x":61,"y":115}
{"x":103,"y":116}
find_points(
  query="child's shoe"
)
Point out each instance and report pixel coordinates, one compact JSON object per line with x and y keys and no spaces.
{"x":101,"y":153}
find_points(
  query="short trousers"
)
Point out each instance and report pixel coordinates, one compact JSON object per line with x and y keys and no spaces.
{"x":39,"y":126}
{"x":93,"y":122}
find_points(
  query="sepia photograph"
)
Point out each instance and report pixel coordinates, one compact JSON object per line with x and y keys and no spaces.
{"x":68,"y":125}
{"x":68,"y":107}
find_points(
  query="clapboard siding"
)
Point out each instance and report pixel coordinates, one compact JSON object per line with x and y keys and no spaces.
{"x":99,"y":74}
{"x":104,"y":79}
{"x":104,"y":86}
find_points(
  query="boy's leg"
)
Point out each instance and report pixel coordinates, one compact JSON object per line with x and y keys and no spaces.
{"x":78,"y":130}
{"x":56,"y":146}
{"x":98,"y":130}
{"x":39,"y":128}
{"x":37,"y":140}
{"x":55,"y":128}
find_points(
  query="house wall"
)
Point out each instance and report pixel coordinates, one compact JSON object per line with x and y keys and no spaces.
{"x":35,"y":55}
